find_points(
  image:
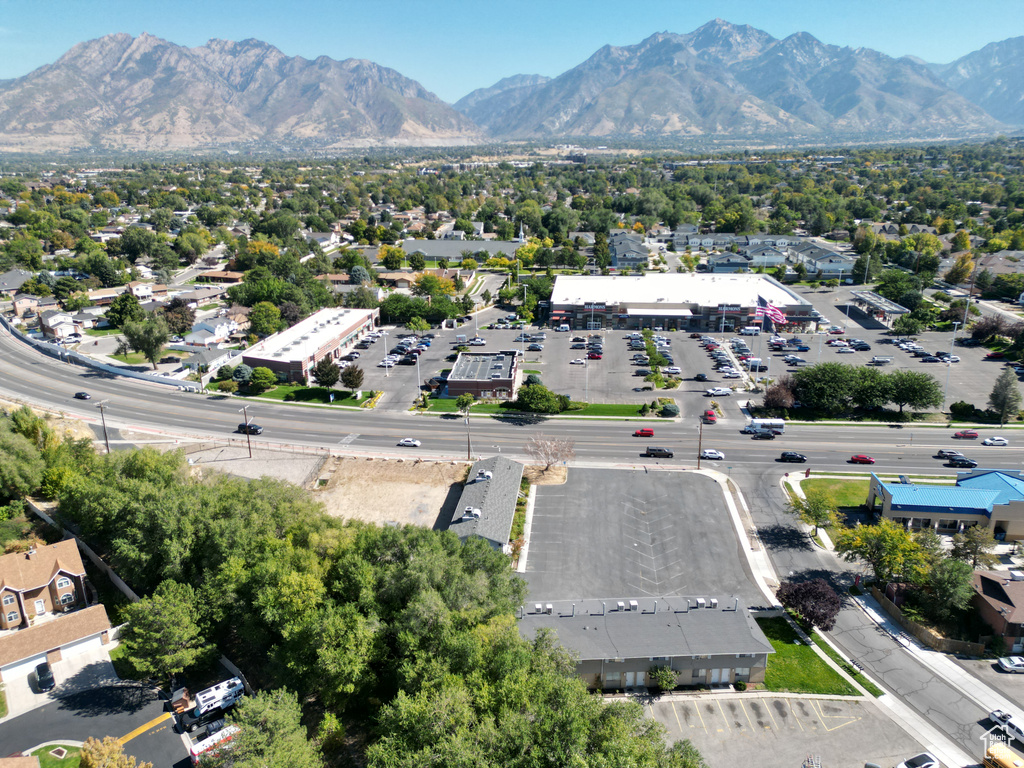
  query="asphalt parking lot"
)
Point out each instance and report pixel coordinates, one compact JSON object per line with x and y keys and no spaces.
{"x":632,"y":533}
{"x":784,"y":731}
{"x":1009,"y":684}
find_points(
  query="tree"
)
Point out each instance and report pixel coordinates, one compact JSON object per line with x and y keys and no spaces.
{"x":271,"y":734}
{"x":108,"y":753}
{"x":905,"y":325}
{"x":551,"y":450}
{"x":1005,"y":397}
{"x":894,"y":283}
{"x":163,"y":637}
{"x":179,"y":315}
{"x":873,"y":389}
{"x":21,"y":470}
{"x":264,"y":318}
{"x":417,"y":324}
{"x":359,"y":274}
{"x":242,"y":374}
{"x":816,"y":508}
{"x":814,"y":601}
{"x":190,"y":246}
{"x":974,"y":546}
{"x":961,"y":270}
{"x":951,"y":584}
{"x":326,"y":372}
{"x":147,"y":336}
{"x":886,"y":546}
{"x":124,"y":308}
{"x":416,"y":261}
{"x":391,"y":257}
{"x":464,"y":402}
{"x":961,"y":241}
{"x":826,"y":387}
{"x":915,"y":389}
{"x":663,"y":676}
{"x":538,"y":399}
{"x":352,"y":377}
{"x":262,"y":379}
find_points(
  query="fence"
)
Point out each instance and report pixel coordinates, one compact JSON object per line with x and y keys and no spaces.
{"x":925,"y":635}
{"x":58,"y":352}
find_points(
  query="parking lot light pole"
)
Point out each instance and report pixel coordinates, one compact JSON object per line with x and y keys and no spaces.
{"x":469,"y":441}
{"x":700,"y":439}
{"x":248,"y":438}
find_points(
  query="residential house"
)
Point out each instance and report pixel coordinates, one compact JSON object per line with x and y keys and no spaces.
{"x":220,"y":276}
{"x":25,"y":303}
{"x":61,"y":638}
{"x":728,"y":262}
{"x":488,"y":502}
{"x":146,"y":291}
{"x":616,"y":642}
{"x":764,"y":256}
{"x":40,"y":582}
{"x":12,"y":280}
{"x":209,"y":360}
{"x":326,"y":240}
{"x":57,"y":324}
{"x":999,"y":600}
{"x":210,"y":332}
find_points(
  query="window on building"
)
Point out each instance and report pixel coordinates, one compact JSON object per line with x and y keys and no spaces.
{"x":67,"y":597}
{"x":12,"y":617}
{"x":63,"y":582}
{"x":9,"y":599}
{"x":742,"y":674}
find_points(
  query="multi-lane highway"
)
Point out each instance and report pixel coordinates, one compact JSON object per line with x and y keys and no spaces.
{"x":28,"y":375}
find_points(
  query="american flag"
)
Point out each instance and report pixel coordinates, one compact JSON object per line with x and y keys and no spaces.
{"x":765,"y":307}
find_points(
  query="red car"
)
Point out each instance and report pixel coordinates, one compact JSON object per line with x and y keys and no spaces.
{"x":861,"y":459}
{"x":966,"y":434}
{"x":837,"y":331}
{"x":593,"y":356}
{"x":995,"y":355}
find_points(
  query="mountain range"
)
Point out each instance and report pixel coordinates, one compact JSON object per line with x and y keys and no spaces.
{"x":722,"y":80}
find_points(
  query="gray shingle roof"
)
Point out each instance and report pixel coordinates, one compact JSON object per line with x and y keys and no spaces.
{"x":600,"y":631}
{"x":495,"y":498}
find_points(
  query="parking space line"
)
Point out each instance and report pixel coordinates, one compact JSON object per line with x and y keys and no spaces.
{"x":678,"y":721}
{"x":793,"y":713}
{"x":726,"y":719}
{"x":143,"y":728}
{"x":751,"y":722}
{"x":768,"y":709}
{"x":696,"y":709}
{"x":849,"y":718}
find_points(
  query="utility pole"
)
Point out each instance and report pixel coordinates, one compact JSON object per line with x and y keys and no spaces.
{"x":469,"y":442}
{"x":248,"y":439}
{"x":103,"y":418}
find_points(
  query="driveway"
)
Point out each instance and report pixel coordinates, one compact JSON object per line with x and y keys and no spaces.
{"x":79,"y":673}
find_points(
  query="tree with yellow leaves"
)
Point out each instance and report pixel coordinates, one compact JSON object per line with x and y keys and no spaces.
{"x":108,"y":753}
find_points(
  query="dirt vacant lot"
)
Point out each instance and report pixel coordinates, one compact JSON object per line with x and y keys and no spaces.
{"x":381,"y":491}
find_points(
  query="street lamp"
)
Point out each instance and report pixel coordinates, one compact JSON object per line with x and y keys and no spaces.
{"x":700,"y":439}
{"x":102,"y":405}
{"x":469,"y":442}
{"x":248,"y":439}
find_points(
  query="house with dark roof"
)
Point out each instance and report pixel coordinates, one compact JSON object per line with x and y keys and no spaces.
{"x":999,"y":599}
{"x":993,"y":499}
{"x":703,"y":640}
{"x":12,"y":280}
{"x":488,"y":502}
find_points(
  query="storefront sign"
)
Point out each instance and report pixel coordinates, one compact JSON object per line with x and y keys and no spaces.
{"x":595,"y":306}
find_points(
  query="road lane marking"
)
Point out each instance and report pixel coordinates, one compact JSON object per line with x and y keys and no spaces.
{"x":143,"y":728}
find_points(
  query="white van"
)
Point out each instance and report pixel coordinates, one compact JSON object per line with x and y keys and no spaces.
{"x":751,"y":330}
{"x":563,"y":327}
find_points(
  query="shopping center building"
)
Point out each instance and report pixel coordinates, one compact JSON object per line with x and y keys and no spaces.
{"x":691,"y":302}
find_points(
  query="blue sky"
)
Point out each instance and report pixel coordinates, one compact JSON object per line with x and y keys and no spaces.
{"x":454,"y":46}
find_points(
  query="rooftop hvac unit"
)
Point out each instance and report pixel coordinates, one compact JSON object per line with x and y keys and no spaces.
{"x":549,"y":608}
{"x":1017,"y":575}
{"x":621,"y":605}
{"x":702,"y":603}
{"x":495,"y":375}
{"x":713,"y":603}
{"x":538,"y":608}
{"x":633,"y":605}
{"x":484,"y":474}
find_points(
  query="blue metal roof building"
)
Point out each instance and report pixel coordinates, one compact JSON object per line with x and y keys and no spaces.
{"x":991,"y":498}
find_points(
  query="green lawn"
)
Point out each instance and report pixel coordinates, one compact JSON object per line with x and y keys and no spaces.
{"x":46,"y":760}
{"x":102,"y":331}
{"x":849,"y":669}
{"x":623,"y":410}
{"x":296,"y":393}
{"x":796,"y":668}
{"x":132,"y":358}
{"x":847,"y":493}
{"x":124,"y":668}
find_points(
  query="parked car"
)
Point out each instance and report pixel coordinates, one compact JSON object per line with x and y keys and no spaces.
{"x":860,"y":458}
{"x":923,"y":760}
{"x":1011,"y":663}
{"x":995,"y":355}
{"x":793,"y":456}
{"x":44,"y":677}
{"x":594,"y":356}
{"x":701,"y":377}
{"x":966,"y":434}
{"x":577,"y":346}
{"x":250,"y":428}
{"x":83,"y":396}
{"x":711,"y":453}
{"x":578,"y":361}
{"x":673,"y":370}
{"x":845,"y":351}
{"x":641,"y":372}
{"x":535,"y":348}
{"x":718,"y":392}
{"x":408,"y":442}
{"x":732,"y":375}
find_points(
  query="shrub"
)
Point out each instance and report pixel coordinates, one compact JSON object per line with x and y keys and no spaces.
{"x":533,"y":378}
{"x":663,"y":677}
{"x":739,"y":685}
{"x":228,"y":385}
{"x":224,"y":372}
{"x":669,"y":411}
